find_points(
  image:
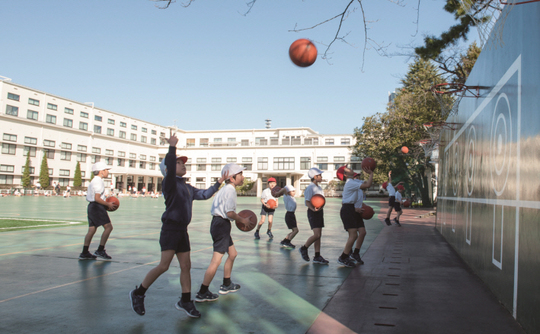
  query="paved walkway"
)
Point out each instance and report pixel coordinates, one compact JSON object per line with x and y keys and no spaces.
{"x":413,"y":282}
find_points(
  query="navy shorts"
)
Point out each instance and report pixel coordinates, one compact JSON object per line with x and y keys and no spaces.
{"x":220,"y":229}
{"x":290,"y":219}
{"x":172,"y":238}
{"x":97,"y":214}
{"x":315,"y":218}
{"x":392,"y":201}
{"x":265,"y":211}
{"x":397,"y":206}
{"x":350,"y":218}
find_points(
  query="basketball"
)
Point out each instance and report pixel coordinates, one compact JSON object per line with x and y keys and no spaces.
{"x":303,"y":52}
{"x":318,"y":200}
{"x":275,"y":191}
{"x":252,"y":220}
{"x":368,"y":212}
{"x":405,"y":149}
{"x":272,"y":204}
{"x":406,"y":204}
{"x":114,"y":201}
{"x":370,"y":163}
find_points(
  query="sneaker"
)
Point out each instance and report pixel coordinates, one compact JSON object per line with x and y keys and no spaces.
{"x":87,"y":256}
{"x":189,"y":308}
{"x":356,"y":258}
{"x":290,"y":245}
{"x":344,"y":262}
{"x":397,"y":222}
{"x":137,"y":302}
{"x":270,"y":235}
{"x":257,"y":235}
{"x":284,"y":243}
{"x":320,"y":260}
{"x":102,"y":254}
{"x":387,"y":221}
{"x":206,"y":297}
{"x":231,"y":288}
{"x":304,"y":253}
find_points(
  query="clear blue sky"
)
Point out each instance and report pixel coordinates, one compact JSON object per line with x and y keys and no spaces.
{"x":210,"y":67}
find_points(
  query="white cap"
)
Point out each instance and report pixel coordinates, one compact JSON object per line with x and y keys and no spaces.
{"x":314,"y":172}
{"x":232,"y":168}
{"x":289,"y":188}
{"x":163,"y":168}
{"x":98,"y":166}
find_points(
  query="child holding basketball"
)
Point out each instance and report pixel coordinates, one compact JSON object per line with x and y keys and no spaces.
{"x":290,"y":218}
{"x":223,"y":211}
{"x":391,"y":197}
{"x":97,"y":213}
{"x":174,"y":238}
{"x":351,"y":218}
{"x":266,"y":210}
{"x":315,"y":217}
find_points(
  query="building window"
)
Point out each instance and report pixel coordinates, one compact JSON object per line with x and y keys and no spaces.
{"x":217,"y":141}
{"x":6,"y":179}
{"x":283,"y":163}
{"x":133,"y":137}
{"x":200,"y":167}
{"x":154,"y":132}
{"x":345,"y":141}
{"x":83,"y":126}
{"x":132,"y":163}
{"x":121,"y":162}
{"x":33,"y":102}
{"x":231,"y":141}
{"x":68,"y":111}
{"x":96,"y":150}
{"x":133,"y":127}
{"x":216,"y":167}
{"x":12,"y":96}
{"x":110,"y":132}
{"x":68,"y":122}
{"x":133,"y":156}
{"x":152,"y":158}
{"x":49,"y":153}
{"x":329,"y":141}
{"x":248,"y":166}
{"x":122,"y":134}
{"x":50,"y":171}
{"x":231,"y":159}
{"x":262,"y":163}
{"x":49,"y":143}
{"x":9,"y":137}
{"x":123,"y":124}
{"x":190,"y":142}
{"x":30,"y":140}
{"x":305,"y":163}
{"x":144,"y":130}
{"x":81,"y":157}
{"x":50,"y":119}
{"x":98,"y":118}
{"x":142,"y":164}
{"x":109,"y":152}
{"x":109,"y":161}
{"x":30,"y":114}
{"x":97,"y":129}
{"x":245,"y":142}
{"x":84,"y":114}
{"x":29,"y":150}
{"x":66,"y":156}
{"x":83,"y":173}
{"x":143,"y":139}
{"x":215,"y":160}
{"x":152,"y":166}
{"x":203,"y":142}
{"x":11,"y":110}
{"x":81,"y":148}
{"x":247,"y":159}
{"x":52,"y":106}
{"x":322,"y":159}
{"x":338,"y":165}
{"x":142,"y":156}
{"x":64,"y":172}
{"x":339,"y":159}
{"x":110,"y":121}
{"x":322,"y":166}
{"x":66,"y":146}
{"x":201,"y":160}
{"x":153,"y":141}
{"x":32,"y":170}
{"x":63,"y":182}
{"x":121,"y":154}
{"x":94,"y":159}
{"x":7,"y":168}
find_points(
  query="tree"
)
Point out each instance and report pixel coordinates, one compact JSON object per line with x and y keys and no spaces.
{"x":77,"y":179}
{"x":26,"y":183}
{"x":44,"y":172}
{"x":244,"y":188}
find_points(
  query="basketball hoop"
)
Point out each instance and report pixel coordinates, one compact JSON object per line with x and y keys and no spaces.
{"x":449,"y":96}
{"x":428,"y":146}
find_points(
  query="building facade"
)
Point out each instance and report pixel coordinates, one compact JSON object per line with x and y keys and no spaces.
{"x":36,"y":123}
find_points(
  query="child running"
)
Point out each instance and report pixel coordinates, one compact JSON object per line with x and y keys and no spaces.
{"x":174,"y":238}
{"x":315,"y":217}
{"x":97,"y":213}
{"x":350,"y":216}
{"x":223,"y":211}
{"x":266,"y":210}
{"x":290,"y":218}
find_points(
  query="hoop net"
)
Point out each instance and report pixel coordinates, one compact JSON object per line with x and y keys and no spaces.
{"x":449,"y":96}
{"x":429,"y":146}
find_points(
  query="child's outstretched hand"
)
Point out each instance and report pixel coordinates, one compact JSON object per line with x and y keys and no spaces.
{"x":173,"y":140}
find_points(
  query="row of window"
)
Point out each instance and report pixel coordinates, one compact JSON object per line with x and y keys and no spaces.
{"x":11,"y":169}
{"x":8,"y":179}
{"x":261,"y":141}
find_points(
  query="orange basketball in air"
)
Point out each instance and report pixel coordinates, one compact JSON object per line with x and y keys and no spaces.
{"x":303,"y":52}
{"x":318,"y":200}
{"x":271,"y":203}
{"x":405,"y":149}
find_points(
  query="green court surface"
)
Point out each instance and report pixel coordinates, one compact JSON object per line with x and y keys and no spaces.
{"x":46,"y":289}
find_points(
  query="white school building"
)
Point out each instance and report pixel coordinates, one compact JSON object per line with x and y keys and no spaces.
{"x":66,"y":131}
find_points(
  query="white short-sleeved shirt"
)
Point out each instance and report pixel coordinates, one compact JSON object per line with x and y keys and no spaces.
{"x":290,"y":203}
{"x":390,"y":189}
{"x":398,"y":196}
{"x":97,"y":186}
{"x":350,"y":191}
{"x":360,"y":197}
{"x":311,"y":190}
{"x":224,"y":201}
{"x":266,"y":195}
